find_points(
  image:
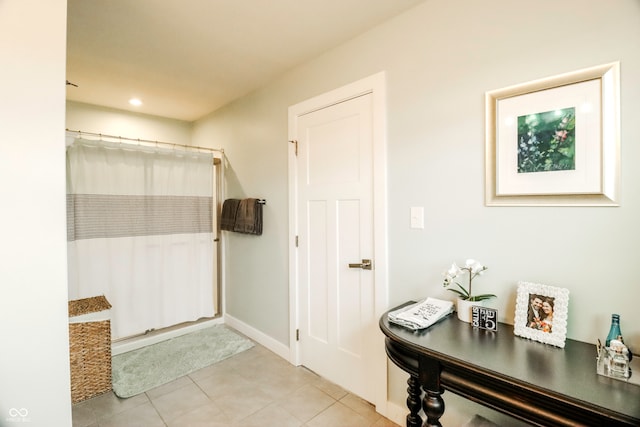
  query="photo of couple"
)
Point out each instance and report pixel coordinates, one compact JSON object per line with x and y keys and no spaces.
{"x":540,"y":313}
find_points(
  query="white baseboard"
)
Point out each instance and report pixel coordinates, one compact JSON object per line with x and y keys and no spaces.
{"x":260,"y":337}
{"x":395,"y":412}
{"x":145,"y":340}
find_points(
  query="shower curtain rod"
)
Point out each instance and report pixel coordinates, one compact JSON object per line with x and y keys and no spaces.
{"x":138,"y":140}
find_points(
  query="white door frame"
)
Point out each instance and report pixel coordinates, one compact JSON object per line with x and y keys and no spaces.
{"x":376,"y":85}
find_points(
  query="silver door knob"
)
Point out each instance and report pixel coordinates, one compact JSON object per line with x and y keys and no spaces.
{"x":365,"y":265}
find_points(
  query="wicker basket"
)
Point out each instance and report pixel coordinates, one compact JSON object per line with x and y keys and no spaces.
{"x":90,"y":349}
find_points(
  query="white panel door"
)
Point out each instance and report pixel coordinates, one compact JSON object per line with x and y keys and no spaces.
{"x":335,"y":223}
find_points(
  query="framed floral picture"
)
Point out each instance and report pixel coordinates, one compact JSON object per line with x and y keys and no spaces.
{"x":541,"y":313}
{"x":555,"y":141}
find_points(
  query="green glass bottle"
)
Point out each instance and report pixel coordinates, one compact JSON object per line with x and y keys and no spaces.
{"x":614,"y":330}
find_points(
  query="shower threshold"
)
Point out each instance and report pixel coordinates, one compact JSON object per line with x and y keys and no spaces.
{"x":154,"y":336}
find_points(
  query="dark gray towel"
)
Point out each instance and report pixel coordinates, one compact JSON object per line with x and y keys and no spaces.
{"x":228,"y":215}
{"x":249,"y":217}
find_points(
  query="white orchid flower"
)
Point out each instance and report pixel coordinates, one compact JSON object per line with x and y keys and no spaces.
{"x":449,"y":275}
{"x":474,"y":266}
{"x":453,"y":271}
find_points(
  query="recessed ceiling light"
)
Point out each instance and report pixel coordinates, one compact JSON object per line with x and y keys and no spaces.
{"x":135,"y":101}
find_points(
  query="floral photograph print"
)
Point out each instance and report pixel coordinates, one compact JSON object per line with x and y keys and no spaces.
{"x":541,"y":313}
{"x":555,"y":141}
{"x":546,"y":141}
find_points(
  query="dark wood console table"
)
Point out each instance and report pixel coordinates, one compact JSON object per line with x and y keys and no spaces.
{"x":534,"y":382}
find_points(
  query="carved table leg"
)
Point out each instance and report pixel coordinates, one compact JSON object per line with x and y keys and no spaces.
{"x":433,"y":406}
{"x":413,"y":402}
{"x":432,"y":402}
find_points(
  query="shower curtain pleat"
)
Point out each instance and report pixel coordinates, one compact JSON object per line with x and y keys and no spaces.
{"x":140,"y":232}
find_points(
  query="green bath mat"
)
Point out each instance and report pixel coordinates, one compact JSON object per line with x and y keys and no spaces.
{"x":140,"y":370}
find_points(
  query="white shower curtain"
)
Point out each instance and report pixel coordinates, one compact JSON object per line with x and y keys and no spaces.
{"x":139,"y":223}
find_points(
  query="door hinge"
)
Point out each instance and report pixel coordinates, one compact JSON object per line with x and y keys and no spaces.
{"x":297,"y":334}
{"x":296,"y":241}
{"x":295,"y":146}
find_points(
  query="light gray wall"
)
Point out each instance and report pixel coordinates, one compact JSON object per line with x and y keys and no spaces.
{"x":256,"y":283}
{"x":440,"y":58}
{"x":109,"y":121}
{"x":34,"y":359}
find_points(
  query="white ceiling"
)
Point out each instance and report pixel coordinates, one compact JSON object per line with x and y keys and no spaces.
{"x":186,"y":58}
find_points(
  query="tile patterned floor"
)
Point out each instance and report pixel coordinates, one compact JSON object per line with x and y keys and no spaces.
{"x":253,"y":388}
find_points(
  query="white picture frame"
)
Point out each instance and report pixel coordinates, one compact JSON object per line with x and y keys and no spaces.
{"x":530,"y":323}
{"x":589,"y":99}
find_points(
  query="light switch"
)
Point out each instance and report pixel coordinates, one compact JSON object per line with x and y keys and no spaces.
{"x":417,"y":217}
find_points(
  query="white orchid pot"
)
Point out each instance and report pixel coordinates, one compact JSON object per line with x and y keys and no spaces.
{"x":463,"y":309}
